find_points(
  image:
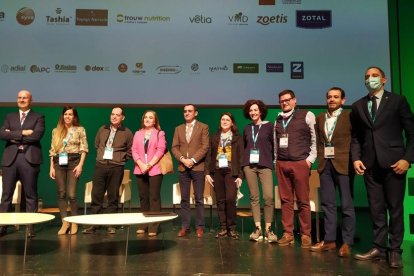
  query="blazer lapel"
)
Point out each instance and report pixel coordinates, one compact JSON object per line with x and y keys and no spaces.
{"x":195,"y":129}
{"x":323,"y":121}
{"x":381,"y":109}
{"x":338,"y":124}
{"x":26,"y":120}
{"x":364,"y":107}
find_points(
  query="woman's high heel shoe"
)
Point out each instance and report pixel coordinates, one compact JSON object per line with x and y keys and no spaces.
{"x":64,"y":229}
{"x":73,"y":229}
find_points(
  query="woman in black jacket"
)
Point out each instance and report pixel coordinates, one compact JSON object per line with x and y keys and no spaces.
{"x":223,"y":172}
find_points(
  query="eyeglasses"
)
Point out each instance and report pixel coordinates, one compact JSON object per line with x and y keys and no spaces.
{"x":285,"y":101}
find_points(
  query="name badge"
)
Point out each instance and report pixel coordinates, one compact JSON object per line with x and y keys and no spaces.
{"x":222,"y":161}
{"x":63,"y":159}
{"x":254,"y":156}
{"x":329,"y":150}
{"x":283,"y":141}
{"x":108,"y":154}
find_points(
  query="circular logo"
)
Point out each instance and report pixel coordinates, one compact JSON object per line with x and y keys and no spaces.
{"x":88,"y":68}
{"x":122,"y":67}
{"x":4,"y":68}
{"x":34,"y":69}
{"x":120,"y":18}
{"x":194,"y":67}
{"x":25,"y":16}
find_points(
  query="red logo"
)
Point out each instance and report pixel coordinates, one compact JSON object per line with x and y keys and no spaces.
{"x":267,"y":2}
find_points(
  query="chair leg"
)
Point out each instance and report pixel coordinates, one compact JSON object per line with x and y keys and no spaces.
{"x":84,"y":209}
{"x":174,"y":221}
{"x":317,"y":226}
{"x":17,"y":210}
{"x":242,"y":226}
{"x":211,"y":217}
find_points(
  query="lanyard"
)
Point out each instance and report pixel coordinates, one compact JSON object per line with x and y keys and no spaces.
{"x":286,"y":123}
{"x":257,"y":134}
{"x":225,"y":141}
{"x":67,"y":138}
{"x":329,"y":132}
{"x":111,"y":137}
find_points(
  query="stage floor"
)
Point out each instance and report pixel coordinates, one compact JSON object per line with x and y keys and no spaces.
{"x":103,"y":254}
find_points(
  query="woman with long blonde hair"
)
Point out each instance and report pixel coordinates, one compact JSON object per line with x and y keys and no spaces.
{"x":67,"y":156}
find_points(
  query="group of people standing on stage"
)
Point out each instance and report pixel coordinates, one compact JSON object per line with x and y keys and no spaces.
{"x":375,"y":139}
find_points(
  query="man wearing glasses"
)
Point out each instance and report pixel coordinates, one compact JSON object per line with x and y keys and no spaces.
{"x":190,"y":146}
{"x":295,"y":151}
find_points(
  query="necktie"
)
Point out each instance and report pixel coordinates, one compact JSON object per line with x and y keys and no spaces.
{"x":22,"y":118}
{"x":374,"y":106}
{"x":188,"y":132}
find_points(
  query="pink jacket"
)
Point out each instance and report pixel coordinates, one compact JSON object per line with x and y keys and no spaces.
{"x":156,"y":146}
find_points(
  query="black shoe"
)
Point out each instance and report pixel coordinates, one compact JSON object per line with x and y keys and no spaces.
{"x":3,"y":231}
{"x":89,"y":230}
{"x":373,"y":255}
{"x":233,"y":234}
{"x":394,"y":259}
{"x":30,"y":232}
{"x":221,"y":233}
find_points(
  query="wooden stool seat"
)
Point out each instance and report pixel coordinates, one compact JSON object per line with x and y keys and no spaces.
{"x":244,"y":214}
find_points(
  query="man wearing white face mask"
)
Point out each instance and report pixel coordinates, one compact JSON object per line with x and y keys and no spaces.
{"x":379,"y":153}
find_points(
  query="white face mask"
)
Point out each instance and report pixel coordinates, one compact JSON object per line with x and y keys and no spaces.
{"x":373,"y":83}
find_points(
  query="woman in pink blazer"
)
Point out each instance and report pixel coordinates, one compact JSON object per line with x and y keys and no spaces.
{"x":147,"y":149}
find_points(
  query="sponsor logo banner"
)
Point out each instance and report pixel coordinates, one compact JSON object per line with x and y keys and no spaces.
{"x":2,"y":15}
{"x":195,"y":67}
{"x":122,"y":67}
{"x":88,"y":17}
{"x":242,"y":68}
{"x":200,"y":19}
{"x":314,"y":19}
{"x":297,"y":70}
{"x":39,"y":69}
{"x":267,"y":2}
{"x":168,"y":69}
{"x":96,"y":68}
{"x":137,"y":19}
{"x":292,"y":1}
{"x":25,"y":16}
{"x":274,"y":67}
{"x":239,"y":19}
{"x":274,"y":19}
{"x":58,"y":18}
{"x":218,"y":68}
{"x":139,"y":69}
{"x":13,"y":68}
{"x":65,"y":68}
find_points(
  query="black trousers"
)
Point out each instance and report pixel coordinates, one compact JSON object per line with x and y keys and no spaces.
{"x":106,"y":178}
{"x":149,"y":191}
{"x":386,"y":191}
{"x":27,"y":173}
{"x":226,"y":193}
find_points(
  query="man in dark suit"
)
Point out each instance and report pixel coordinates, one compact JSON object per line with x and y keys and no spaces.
{"x":22,"y":155}
{"x":190,"y":146}
{"x":380,"y":155}
{"x":333,"y":140}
